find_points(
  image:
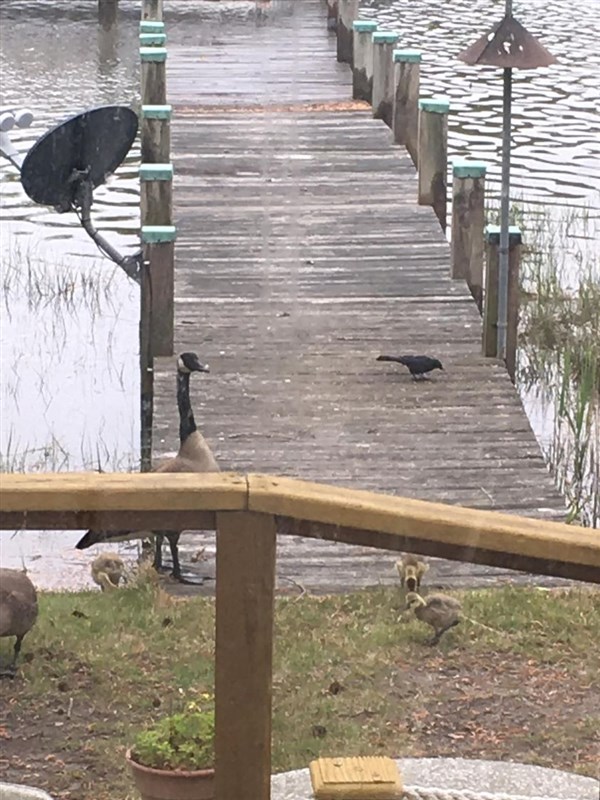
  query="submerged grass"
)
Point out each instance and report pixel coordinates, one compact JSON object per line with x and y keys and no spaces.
{"x":560,"y":347}
{"x":348,"y":678}
{"x":559,"y":344}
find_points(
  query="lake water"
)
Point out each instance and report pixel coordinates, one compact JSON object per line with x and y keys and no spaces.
{"x":70,"y":318}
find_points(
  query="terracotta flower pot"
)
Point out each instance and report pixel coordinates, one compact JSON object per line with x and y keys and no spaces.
{"x":163,"y":784}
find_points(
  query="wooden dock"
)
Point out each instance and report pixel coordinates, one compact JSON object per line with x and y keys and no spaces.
{"x":301,"y":256}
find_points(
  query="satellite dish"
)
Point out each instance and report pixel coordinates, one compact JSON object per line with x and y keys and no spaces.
{"x":92,"y":144}
{"x":67,"y":163}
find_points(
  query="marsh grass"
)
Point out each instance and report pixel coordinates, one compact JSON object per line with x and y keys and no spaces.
{"x":349,"y":678}
{"x":65,"y":287}
{"x":559,"y":342}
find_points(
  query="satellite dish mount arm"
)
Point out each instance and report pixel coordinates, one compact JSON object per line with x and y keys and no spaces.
{"x":82,"y":205}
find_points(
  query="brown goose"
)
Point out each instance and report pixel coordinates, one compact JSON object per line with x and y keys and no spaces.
{"x":411,"y":569}
{"x":107,"y":570}
{"x":18,"y":609}
{"x":194,"y":455}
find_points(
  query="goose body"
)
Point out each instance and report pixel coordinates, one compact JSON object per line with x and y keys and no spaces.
{"x":194,"y":455}
{"x":439,"y":611}
{"x":18,"y":607}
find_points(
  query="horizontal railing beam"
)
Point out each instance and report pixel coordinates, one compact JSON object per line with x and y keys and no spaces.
{"x":189,"y":501}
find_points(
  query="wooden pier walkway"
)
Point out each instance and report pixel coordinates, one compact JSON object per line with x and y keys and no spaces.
{"x":302,"y":255}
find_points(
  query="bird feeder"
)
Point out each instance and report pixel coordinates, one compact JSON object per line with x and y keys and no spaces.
{"x":509,"y":46}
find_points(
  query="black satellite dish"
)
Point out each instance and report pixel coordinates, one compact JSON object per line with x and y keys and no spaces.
{"x":67,"y":163}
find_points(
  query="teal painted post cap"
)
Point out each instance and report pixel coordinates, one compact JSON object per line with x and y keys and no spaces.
{"x":385,"y":37}
{"x":156,"y":172}
{"x":157,"y":112}
{"x":469,"y":169}
{"x":156,"y":39}
{"x":151,"y":26}
{"x":364,"y":25}
{"x":153,"y":54}
{"x":410,"y":56}
{"x":157,"y":234}
{"x":492,"y":234}
{"x":437,"y":105}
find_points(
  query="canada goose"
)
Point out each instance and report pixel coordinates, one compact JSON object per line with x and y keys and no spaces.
{"x":194,"y":455}
{"x":417,"y":365}
{"x":438,"y":610}
{"x":107,"y":570}
{"x":411,"y":569}
{"x":18,"y":609}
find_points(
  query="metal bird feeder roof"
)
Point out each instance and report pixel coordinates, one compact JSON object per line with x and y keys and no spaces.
{"x":508,"y":45}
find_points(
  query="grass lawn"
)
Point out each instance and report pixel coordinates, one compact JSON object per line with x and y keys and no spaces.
{"x":349,"y":678}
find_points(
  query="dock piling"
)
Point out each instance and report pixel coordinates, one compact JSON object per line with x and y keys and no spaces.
{"x":433,"y":155}
{"x":405,"y":111}
{"x":468,"y":222}
{"x":490,"y":315}
{"x":383,"y":75}
{"x":347,"y":12}
{"x":152,"y":10}
{"x":362,"y":64}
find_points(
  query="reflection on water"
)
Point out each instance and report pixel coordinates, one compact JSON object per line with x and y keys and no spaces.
{"x":69,"y":337}
{"x":556,"y":119}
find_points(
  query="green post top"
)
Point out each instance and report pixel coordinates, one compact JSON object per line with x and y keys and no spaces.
{"x":157,"y":234}
{"x":492,"y":234}
{"x":410,"y":56}
{"x":153,"y":54}
{"x":156,"y":39}
{"x":151,"y":26}
{"x":156,"y":112}
{"x":156,"y":172}
{"x":437,"y":105}
{"x":385,"y":37}
{"x":468,"y":169}
{"x":364,"y":25}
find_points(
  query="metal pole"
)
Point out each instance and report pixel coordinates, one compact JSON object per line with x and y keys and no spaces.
{"x":504,"y":215}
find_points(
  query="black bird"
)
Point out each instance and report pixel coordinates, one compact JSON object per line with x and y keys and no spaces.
{"x":194,"y":455}
{"x":418,"y":365}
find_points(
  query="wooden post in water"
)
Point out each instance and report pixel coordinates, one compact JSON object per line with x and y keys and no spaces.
{"x":362,"y":66}
{"x":383,"y":75}
{"x":490,"y":314}
{"x":332,"y":12}
{"x":347,"y":12}
{"x":156,"y":319}
{"x":107,"y":13}
{"x":152,"y":10}
{"x":244,"y":652}
{"x":468,"y":222}
{"x":405,"y":113}
{"x":433,"y":155}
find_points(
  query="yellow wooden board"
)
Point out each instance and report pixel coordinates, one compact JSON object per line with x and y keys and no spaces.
{"x":356,"y":778}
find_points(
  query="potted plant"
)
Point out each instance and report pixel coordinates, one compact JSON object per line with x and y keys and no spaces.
{"x":174,"y":758}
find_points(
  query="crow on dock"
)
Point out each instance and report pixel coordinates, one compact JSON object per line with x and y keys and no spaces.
{"x":417,"y":365}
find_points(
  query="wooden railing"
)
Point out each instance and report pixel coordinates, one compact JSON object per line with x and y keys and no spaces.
{"x":248,"y":511}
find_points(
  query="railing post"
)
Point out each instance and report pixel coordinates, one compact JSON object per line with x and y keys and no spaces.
{"x":346,"y":14}
{"x":490,"y":315}
{"x":468,"y":222}
{"x":383,"y":75}
{"x":433,"y":155}
{"x":362,"y":66}
{"x":405,"y":114}
{"x":244,"y":654}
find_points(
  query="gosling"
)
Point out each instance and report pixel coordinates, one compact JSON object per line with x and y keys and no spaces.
{"x":438,"y":611}
{"x":18,"y":610}
{"x":411,"y":570}
{"x":108,"y":570}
